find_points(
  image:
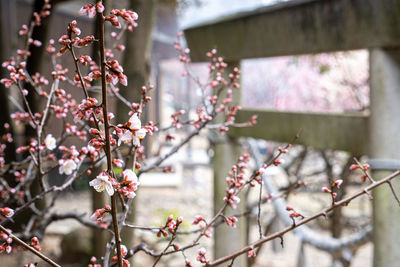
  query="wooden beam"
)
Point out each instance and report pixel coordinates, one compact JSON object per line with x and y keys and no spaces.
{"x":346,"y":132}
{"x":299,"y":27}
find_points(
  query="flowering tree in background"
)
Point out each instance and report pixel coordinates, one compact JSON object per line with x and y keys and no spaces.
{"x":332,"y":82}
{"x":120,"y":145}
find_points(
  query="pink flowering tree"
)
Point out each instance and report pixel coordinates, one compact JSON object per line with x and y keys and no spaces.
{"x":332,"y":82}
{"x":120,"y":145}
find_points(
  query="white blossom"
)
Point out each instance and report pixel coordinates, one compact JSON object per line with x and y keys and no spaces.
{"x":139,"y":135}
{"x":101,"y":183}
{"x":135,"y":123}
{"x":126,"y":137}
{"x":50,"y":142}
{"x":67,"y":166}
{"x":134,"y":134}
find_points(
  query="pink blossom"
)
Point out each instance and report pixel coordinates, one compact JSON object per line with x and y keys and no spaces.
{"x":24,"y":30}
{"x":99,"y":7}
{"x":118,"y":163}
{"x":88,"y":10}
{"x":129,"y":184}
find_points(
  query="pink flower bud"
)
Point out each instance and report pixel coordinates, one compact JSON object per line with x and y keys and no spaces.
{"x":337,"y":183}
{"x":326,"y":189}
{"x":354,"y":167}
{"x":251,"y":254}
{"x":179,"y":220}
{"x":93,"y":260}
{"x":202,"y":251}
{"x":7,"y":212}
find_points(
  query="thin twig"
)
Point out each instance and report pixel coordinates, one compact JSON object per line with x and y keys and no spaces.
{"x":164,"y":251}
{"x":394,"y":192}
{"x":259,"y":211}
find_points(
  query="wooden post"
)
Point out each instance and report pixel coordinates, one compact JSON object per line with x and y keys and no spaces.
{"x":385,"y":144}
{"x":228,"y":239}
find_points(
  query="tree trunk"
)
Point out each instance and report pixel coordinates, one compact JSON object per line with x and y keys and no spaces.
{"x":137,"y":58}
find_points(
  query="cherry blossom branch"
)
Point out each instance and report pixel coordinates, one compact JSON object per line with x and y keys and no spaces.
{"x":148,"y":228}
{"x":394,"y":192}
{"x":82,"y":82}
{"x":77,"y":69}
{"x":34,"y":123}
{"x":73,"y":177}
{"x":165,"y":250}
{"x":143,"y":247}
{"x":56,"y":216}
{"x":259,"y":211}
{"x":119,"y":36}
{"x":121,"y":98}
{"x":60,"y":188}
{"x":161,"y":159}
{"x":305,"y":234}
{"x":46,"y":112}
{"x":365,"y":168}
{"x":343,"y":202}
{"x":220,"y":212}
{"x":107,"y":134}
{"x":28,"y":247}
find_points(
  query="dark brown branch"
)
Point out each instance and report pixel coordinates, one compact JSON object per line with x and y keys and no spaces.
{"x":107,"y":148}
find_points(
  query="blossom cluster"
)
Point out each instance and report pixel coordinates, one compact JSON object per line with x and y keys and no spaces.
{"x":201,"y":256}
{"x":236,"y":181}
{"x":6,"y":246}
{"x":131,"y":132}
{"x":335,"y":184}
{"x":127,"y":187}
{"x":124,"y":252}
{"x":171,"y":225}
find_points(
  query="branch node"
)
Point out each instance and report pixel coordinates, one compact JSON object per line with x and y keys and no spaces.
{"x":281,"y":238}
{"x":368,"y":194}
